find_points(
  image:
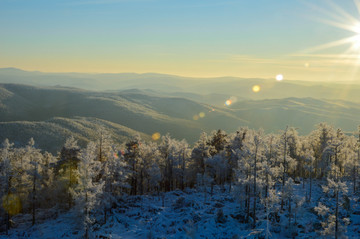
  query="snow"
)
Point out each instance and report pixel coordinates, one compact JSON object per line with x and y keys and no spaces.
{"x":186,"y":214}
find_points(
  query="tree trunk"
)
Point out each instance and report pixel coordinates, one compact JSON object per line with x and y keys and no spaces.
{"x":87,"y":214}
{"x":34,"y":196}
{"x":289,"y":211}
{"x":248,"y":202}
{"x":310,"y":186}
{"x":70,"y":179}
{"x":284,"y":172}
{"x":254,"y":207}
{"x":183,"y":171}
{"x":105,"y":214}
{"x":354,"y":179}
{"x":337,"y":214}
{"x":33,"y":203}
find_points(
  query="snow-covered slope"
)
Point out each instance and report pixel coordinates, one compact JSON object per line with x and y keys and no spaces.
{"x":187,"y":214}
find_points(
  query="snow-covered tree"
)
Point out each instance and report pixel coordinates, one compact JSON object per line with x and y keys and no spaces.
{"x":6,"y":174}
{"x":332,"y":225}
{"x":34,"y":156}
{"x":200,"y":152}
{"x":269,"y":202}
{"x":309,"y":169}
{"x":132,"y":158}
{"x":66,"y":167}
{"x":287,"y":163}
{"x":87,"y":192}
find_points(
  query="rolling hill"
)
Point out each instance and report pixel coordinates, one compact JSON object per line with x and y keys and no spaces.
{"x":50,"y":114}
{"x":51,"y":134}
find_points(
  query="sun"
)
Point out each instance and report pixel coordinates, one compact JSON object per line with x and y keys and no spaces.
{"x":356,"y":43}
{"x":355,"y":40}
{"x":345,"y":21}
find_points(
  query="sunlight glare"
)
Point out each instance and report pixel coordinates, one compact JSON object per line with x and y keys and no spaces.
{"x":356,"y":43}
{"x":345,"y":21}
{"x":356,"y":28}
{"x":256,"y":88}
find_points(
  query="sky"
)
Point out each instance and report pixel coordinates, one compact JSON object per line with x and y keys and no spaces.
{"x":198,"y":38}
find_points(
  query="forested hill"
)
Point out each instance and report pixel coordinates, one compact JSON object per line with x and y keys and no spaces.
{"x":139,"y":112}
{"x":38,"y":111}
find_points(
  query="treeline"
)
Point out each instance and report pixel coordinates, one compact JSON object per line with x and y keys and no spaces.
{"x":259,"y":168}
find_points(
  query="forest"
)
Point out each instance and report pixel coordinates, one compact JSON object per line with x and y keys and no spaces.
{"x":272,"y":178}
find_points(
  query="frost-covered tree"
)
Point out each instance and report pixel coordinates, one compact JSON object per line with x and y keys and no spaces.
{"x":243,"y":179}
{"x":34,"y":157}
{"x":66,"y":168}
{"x":181,"y":170}
{"x":258,"y":142}
{"x":270,"y":202}
{"x":332,"y":225}
{"x":309,"y":169}
{"x":170,"y":160}
{"x":250,"y":158}
{"x":233,"y":148}
{"x":287,"y":163}
{"x":48,"y":188}
{"x":132,"y":158}
{"x":88,"y":191}
{"x":6,"y":174}
{"x":320,"y":139}
{"x":288,"y":196}
{"x":200,"y":152}
{"x":350,"y":159}
{"x":216,"y":168}
{"x":217,"y":141}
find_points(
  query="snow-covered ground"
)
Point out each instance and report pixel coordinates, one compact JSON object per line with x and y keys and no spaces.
{"x":187,"y":214}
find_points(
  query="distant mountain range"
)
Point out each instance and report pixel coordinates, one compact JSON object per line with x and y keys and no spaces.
{"x":212,"y":91}
{"x":52,"y":113}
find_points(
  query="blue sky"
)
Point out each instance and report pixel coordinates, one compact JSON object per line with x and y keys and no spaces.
{"x":243,"y":38}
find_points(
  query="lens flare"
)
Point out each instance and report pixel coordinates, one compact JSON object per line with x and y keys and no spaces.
{"x":228,"y":102}
{"x":279,"y":77}
{"x":156,"y":136}
{"x":256,"y":88}
{"x":195,"y":117}
{"x":201,"y":114}
{"x":11,"y":204}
